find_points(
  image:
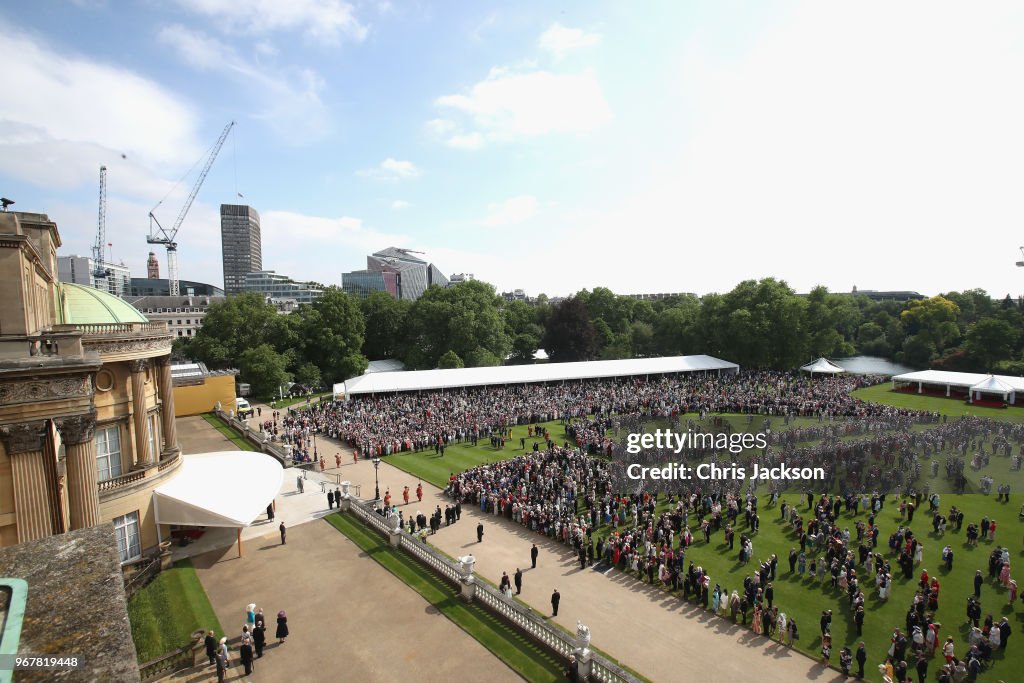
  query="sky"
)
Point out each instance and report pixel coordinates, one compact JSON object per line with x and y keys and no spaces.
{"x":653,"y":147}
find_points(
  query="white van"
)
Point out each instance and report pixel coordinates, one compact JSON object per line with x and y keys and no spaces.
{"x":242,"y":408}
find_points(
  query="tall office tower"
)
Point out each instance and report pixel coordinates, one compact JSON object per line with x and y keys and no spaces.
{"x":152,"y":267}
{"x":240,"y":243}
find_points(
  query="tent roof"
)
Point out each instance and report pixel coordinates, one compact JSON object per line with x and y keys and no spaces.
{"x":963,"y":380}
{"x":993,"y":383}
{"x":523,"y":374}
{"x":822,"y":365}
{"x":226,"y":488}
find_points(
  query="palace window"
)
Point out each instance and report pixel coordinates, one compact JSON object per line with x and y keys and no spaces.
{"x":108,"y":453}
{"x":126,"y":528}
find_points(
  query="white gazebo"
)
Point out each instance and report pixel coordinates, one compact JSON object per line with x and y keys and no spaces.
{"x":822,"y":366}
{"x":221,"y":489}
{"x":993,"y":385}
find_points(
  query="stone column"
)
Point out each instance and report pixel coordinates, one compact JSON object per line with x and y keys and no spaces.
{"x":584,"y":657}
{"x":77,"y":432}
{"x":167,"y":405}
{"x":143,"y":457}
{"x":466,"y":579}
{"x":24,"y":443}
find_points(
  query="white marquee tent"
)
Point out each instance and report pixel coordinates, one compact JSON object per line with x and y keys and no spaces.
{"x":221,"y":489}
{"x":418,"y":380}
{"x":822,"y":366}
{"x":974,"y":383}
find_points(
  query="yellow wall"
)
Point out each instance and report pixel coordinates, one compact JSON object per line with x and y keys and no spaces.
{"x":201,"y":398}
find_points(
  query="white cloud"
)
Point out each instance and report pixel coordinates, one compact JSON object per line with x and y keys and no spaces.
{"x":509,"y":106}
{"x":559,"y":40}
{"x":391,"y":170}
{"x":514,"y":210}
{"x":63,"y":115}
{"x":287,"y":100}
{"x":326,"y":21}
{"x":400,"y":205}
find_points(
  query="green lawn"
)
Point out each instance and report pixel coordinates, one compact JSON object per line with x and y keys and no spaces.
{"x":279,"y":404}
{"x":164,"y":614}
{"x":804,"y":599}
{"x":229,"y":432}
{"x":460,"y":457}
{"x":518,"y":651}
{"x":883,"y":393}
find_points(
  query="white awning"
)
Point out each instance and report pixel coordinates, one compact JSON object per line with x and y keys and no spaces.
{"x":823,"y":366}
{"x":993,"y":385}
{"x":382,"y":382}
{"x":961,"y":380}
{"x":227,"y":488}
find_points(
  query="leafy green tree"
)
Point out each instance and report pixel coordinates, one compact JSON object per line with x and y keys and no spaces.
{"x":676,"y":330}
{"x":759,"y":324}
{"x":331,"y":335}
{"x":569,"y":334}
{"x":308,"y":375}
{"x":233,"y":326}
{"x":264,"y":369}
{"x":481,"y":358}
{"x":990,"y":340}
{"x":450,"y":360}
{"x":918,"y":350}
{"x":642,"y":339}
{"x":933,"y":319}
{"x":459,"y":319}
{"x":525,"y":344}
{"x":385,"y":319}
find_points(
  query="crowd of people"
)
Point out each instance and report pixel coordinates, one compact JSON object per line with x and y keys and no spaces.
{"x":251,"y":644}
{"x":565,"y":493}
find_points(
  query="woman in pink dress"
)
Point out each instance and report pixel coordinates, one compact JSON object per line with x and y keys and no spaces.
{"x":757,"y":619}
{"x":1013,"y":591}
{"x":1004,"y":575}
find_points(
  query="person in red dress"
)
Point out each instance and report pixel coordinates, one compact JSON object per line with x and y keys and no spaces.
{"x":419,"y":492}
{"x":337,"y":460}
{"x":405,"y":495}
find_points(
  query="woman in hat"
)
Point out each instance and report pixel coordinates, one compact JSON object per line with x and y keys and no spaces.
{"x":250,"y":615}
{"x":282,"y":626}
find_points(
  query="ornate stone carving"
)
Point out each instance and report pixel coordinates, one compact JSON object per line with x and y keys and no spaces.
{"x":162,"y":360}
{"x":23,"y":437}
{"x":77,"y":428}
{"x":138,"y":365}
{"x":129,"y":346}
{"x":45,"y":389}
{"x":582,"y":635}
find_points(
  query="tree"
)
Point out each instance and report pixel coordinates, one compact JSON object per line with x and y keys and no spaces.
{"x":308,"y":375}
{"x":933,"y":321}
{"x":233,"y":326}
{"x":331,"y":332}
{"x":481,"y":358}
{"x":264,"y":369}
{"x":759,"y":324}
{"x":569,"y":334}
{"x":449,"y":360}
{"x":385,"y":319}
{"x":676,"y":331}
{"x":990,"y":340}
{"x":459,"y":319}
{"x":525,"y":344}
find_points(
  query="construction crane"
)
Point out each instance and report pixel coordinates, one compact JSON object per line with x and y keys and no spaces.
{"x":99,"y":264}
{"x":158,"y":234}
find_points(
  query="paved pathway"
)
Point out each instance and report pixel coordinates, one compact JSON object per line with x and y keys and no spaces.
{"x":349,"y":619}
{"x":650,"y":631}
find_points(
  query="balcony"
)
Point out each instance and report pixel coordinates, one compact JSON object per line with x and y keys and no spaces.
{"x":117,"y":330}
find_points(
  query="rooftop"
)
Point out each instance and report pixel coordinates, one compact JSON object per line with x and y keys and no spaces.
{"x":82,"y":305}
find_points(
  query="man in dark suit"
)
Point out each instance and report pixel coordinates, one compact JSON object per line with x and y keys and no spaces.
{"x":211,"y":647}
{"x":555,"y":599}
{"x":861,"y":657}
{"x":480,"y":532}
{"x":533,"y":555}
{"x":283,"y":532}
{"x":518,"y":578}
{"x":330,"y":499}
{"x":574,"y":669}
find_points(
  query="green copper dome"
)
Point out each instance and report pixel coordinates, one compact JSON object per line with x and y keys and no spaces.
{"x":81,"y":305}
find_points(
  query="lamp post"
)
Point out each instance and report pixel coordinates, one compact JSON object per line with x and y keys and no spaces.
{"x":376,"y":477}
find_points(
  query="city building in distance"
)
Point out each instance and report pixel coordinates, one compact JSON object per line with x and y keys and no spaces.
{"x":240,"y":244}
{"x":395,"y":271}
{"x":459,"y":278}
{"x":183,"y":314}
{"x":281,"y":287}
{"x":152,"y":267}
{"x":142,"y":286}
{"x":79,"y":270}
